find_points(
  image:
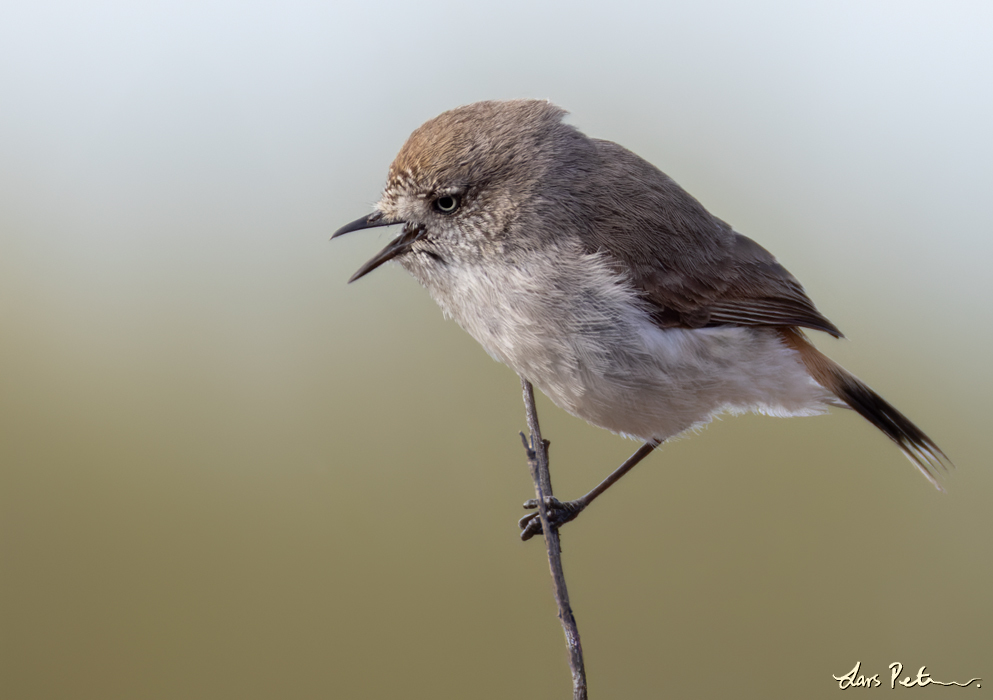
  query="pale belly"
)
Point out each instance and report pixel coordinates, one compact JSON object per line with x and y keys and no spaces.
{"x":585,"y":342}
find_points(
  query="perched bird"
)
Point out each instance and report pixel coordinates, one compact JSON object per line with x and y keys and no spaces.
{"x":596,"y":277}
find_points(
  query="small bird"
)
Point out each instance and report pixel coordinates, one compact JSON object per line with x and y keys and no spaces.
{"x":596,"y":277}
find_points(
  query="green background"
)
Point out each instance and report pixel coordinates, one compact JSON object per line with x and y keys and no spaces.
{"x":226,"y":474}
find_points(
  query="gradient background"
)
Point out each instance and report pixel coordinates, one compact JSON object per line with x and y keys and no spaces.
{"x":226,"y":474}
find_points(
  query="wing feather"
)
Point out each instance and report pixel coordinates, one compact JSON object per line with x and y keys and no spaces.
{"x":690,"y":267}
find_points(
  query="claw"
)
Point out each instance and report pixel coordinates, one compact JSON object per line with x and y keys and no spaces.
{"x":559,"y":514}
{"x":530,"y":526}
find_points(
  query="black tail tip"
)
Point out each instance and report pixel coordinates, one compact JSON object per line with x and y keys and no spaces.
{"x":918,"y":447}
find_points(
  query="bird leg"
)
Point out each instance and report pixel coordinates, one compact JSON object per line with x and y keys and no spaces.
{"x":559,"y":512}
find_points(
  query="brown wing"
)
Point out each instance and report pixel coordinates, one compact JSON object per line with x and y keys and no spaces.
{"x":747,"y":287}
{"x":691,"y":267}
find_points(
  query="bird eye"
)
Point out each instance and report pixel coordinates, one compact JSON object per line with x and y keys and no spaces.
{"x":447,"y":204}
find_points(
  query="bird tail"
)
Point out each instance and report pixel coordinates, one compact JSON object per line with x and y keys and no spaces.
{"x":855,"y":394}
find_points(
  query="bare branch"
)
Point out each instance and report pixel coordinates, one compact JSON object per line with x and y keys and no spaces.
{"x":537,"y":452}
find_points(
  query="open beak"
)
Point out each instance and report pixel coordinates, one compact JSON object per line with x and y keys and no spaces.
{"x":398,"y":246}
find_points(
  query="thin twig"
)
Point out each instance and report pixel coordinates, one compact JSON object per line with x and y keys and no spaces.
{"x":538,"y":462}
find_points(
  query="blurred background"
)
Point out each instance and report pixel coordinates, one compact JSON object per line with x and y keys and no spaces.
{"x":224,"y":473}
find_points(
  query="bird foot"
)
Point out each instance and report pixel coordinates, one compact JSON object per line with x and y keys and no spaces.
{"x":559,"y":514}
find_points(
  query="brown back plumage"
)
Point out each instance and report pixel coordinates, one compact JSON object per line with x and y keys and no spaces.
{"x":691,"y":267}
